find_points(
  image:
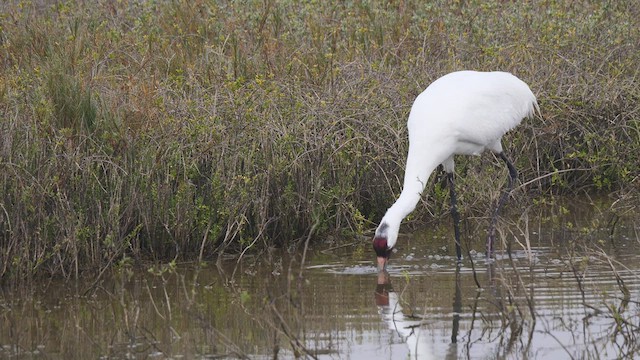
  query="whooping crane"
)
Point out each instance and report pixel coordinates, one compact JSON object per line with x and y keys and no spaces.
{"x":461,"y":113}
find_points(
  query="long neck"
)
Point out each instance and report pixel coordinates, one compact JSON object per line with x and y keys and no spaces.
{"x":405,"y":204}
{"x":397,"y":212}
{"x":416,"y":175}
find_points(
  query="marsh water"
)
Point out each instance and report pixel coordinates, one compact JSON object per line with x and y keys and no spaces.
{"x":565,"y":284}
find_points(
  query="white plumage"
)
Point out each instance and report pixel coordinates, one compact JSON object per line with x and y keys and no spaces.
{"x":462,"y":113}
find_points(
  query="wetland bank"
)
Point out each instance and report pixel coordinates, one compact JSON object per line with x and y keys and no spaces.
{"x":187,"y":132}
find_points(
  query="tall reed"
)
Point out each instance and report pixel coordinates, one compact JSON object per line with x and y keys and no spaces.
{"x":179,"y":129}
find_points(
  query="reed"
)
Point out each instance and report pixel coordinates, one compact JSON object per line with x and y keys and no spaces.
{"x":156,"y":130}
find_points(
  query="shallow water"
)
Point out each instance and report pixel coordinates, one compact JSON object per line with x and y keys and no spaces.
{"x":571,"y":293}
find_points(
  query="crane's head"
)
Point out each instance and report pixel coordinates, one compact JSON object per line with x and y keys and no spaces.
{"x":382,"y":251}
{"x":383,"y":242}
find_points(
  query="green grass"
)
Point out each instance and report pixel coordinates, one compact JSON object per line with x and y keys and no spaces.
{"x":187,"y":129}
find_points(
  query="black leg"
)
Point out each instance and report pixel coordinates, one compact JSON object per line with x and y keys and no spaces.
{"x":513,"y":174}
{"x":455,"y":215}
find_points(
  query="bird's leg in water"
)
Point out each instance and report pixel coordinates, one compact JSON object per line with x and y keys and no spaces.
{"x":455,"y":215}
{"x":513,"y":174}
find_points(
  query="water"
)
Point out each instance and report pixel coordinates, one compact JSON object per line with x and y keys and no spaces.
{"x":571,"y":293}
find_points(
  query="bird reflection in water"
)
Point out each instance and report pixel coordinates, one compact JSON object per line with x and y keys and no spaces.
{"x":413,"y":329}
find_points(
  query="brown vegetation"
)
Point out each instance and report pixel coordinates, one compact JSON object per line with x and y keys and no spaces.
{"x":187,"y":129}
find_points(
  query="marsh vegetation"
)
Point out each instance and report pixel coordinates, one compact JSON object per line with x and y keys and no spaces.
{"x":136,"y":131}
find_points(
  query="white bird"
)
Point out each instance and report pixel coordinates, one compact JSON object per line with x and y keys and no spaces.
{"x":461,"y":113}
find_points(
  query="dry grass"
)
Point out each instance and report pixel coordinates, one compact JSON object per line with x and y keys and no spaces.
{"x":161,"y":130}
